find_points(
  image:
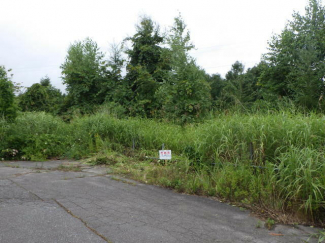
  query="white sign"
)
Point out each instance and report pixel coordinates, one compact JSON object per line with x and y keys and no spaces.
{"x":165,"y":154}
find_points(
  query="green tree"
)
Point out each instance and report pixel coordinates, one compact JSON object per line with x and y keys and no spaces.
{"x":233,"y":90}
{"x":41,"y":97}
{"x":237,"y":69}
{"x":296,"y":59}
{"x":8,"y":109}
{"x":185,"y":92}
{"x":241,"y":88}
{"x":114,"y":90}
{"x":34,"y":99}
{"x":252,"y":87}
{"x":145,"y":69}
{"x":84,"y":73}
{"x":217,"y":84}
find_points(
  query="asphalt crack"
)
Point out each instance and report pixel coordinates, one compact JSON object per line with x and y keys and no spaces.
{"x":35,"y":195}
{"x":84,"y":222}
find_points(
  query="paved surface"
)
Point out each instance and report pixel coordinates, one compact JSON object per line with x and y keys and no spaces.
{"x":41,"y":204}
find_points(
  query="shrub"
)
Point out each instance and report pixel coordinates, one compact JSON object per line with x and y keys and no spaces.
{"x":8,"y":109}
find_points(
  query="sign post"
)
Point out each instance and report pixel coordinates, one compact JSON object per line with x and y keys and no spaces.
{"x":165,"y":155}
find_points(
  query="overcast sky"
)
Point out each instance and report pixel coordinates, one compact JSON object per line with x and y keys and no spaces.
{"x":35,"y":34}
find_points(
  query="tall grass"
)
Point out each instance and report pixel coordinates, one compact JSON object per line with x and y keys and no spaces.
{"x":34,"y":136}
{"x":300,"y":179}
{"x":275,"y":159}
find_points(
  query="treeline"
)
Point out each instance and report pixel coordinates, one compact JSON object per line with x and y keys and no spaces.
{"x":152,"y":74}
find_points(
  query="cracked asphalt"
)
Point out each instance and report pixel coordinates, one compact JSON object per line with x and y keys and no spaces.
{"x":41,"y":204}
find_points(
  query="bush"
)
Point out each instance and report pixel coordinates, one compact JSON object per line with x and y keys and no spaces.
{"x":35,"y":136}
{"x":8,"y":109}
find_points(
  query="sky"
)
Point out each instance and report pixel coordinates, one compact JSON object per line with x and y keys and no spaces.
{"x":36,"y":34}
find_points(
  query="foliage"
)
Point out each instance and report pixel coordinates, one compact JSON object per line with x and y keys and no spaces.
{"x":298,"y":173}
{"x":83,"y":73}
{"x":34,"y":136}
{"x":41,"y":97}
{"x":145,"y":68}
{"x":240,"y":89}
{"x":112,"y":89}
{"x":162,"y":80}
{"x":185,"y":92}
{"x":8,"y":109}
{"x":34,"y":99}
{"x":296,"y":59}
{"x":233,"y":91}
{"x":217,"y":84}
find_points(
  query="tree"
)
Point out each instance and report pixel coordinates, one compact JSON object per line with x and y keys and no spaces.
{"x":41,"y":97}
{"x":252,"y":89}
{"x":237,"y":69}
{"x":241,"y":88}
{"x":8,"y":109}
{"x":296,"y":59}
{"x":45,"y":82}
{"x":185,"y":92}
{"x":217,"y":84}
{"x":83,"y":73}
{"x":233,"y":90}
{"x":145,"y":68}
{"x":112,"y":88}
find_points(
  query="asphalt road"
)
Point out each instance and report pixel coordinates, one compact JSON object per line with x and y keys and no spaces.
{"x":41,"y":204}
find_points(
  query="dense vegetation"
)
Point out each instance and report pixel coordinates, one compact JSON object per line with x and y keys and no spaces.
{"x":8,"y":110}
{"x":152,"y":75}
{"x":41,"y":97}
{"x":255,"y":137}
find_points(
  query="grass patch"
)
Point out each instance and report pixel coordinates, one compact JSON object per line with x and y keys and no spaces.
{"x":269,"y":224}
{"x":74,"y":168}
{"x":11,"y":166}
{"x":122,"y":180}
